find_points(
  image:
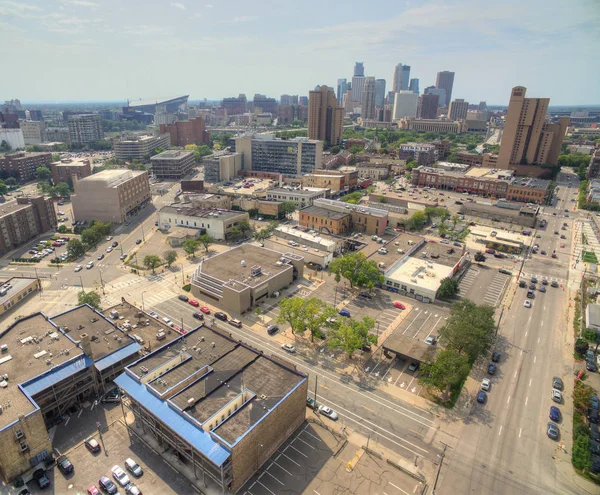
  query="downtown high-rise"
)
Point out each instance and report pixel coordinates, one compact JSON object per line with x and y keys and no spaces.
{"x":445,"y":81}
{"x":367,"y":111}
{"x":379,"y":92}
{"x":325,"y":116}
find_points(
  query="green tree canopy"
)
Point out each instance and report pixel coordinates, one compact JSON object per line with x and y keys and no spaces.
{"x":10,"y":181}
{"x":63,"y":189}
{"x":293,"y":311}
{"x":190,"y":246}
{"x":42,"y":173}
{"x":287,"y":208}
{"x":448,"y":288}
{"x":416,"y":221}
{"x":75,"y":248}
{"x":469,"y":329}
{"x":206,"y":240}
{"x":244,"y":226}
{"x":91,"y":237}
{"x":448,"y":370}
{"x":357,"y":270}
{"x":3,"y":187}
{"x":92,"y":298}
{"x":152,"y":261}
{"x":443,"y":214}
{"x":170,"y":256}
{"x":352,"y":198}
{"x":455,"y":219}
{"x":350,"y":335}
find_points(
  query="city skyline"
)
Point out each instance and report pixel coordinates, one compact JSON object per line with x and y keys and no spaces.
{"x":92,"y":52}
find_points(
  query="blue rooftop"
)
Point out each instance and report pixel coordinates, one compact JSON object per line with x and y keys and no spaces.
{"x":197,"y":437}
{"x":55,"y":375}
{"x":118,"y":355}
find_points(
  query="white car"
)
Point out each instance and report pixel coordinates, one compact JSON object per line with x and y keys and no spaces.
{"x":153,"y":314}
{"x":486,"y":384}
{"x":527,"y":304}
{"x":289,"y":348}
{"x":327,"y":411}
{"x":78,"y":268}
{"x":90,"y":265}
{"x":109,"y":249}
{"x":120,"y":476}
{"x":556,"y":395}
{"x":430,"y":340}
{"x":109,"y":238}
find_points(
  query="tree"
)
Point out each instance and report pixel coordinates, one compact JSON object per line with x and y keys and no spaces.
{"x":447,"y":371}
{"x":443,"y":214}
{"x":244,"y":227}
{"x":352,"y":198}
{"x":151,"y":261}
{"x":42,"y":173}
{"x":581,"y":346}
{"x":206,"y":240}
{"x":455,"y":219}
{"x":363,"y":330}
{"x":234,"y":233}
{"x":293,"y":312}
{"x":92,"y":298}
{"x":355,"y":268}
{"x":3,"y":187}
{"x":469,"y":329}
{"x":62,"y":229}
{"x":382,"y":199}
{"x":261,"y":235}
{"x":258,"y":312}
{"x":200,"y":152}
{"x":345,"y":336}
{"x":11,"y":182}
{"x":416,"y":221}
{"x":170,"y":256}
{"x":430,"y":212}
{"x":316,"y":313}
{"x":190,"y":246}
{"x":91,"y":237}
{"x":593,"y":336}
{"x":448,"y":288}
{"x":479,"y":257}
{"x":287,"y":208}
{"x":75,"y":248}
{"x":582,"y":396}
{"x":63,"y":189}
{"x":471,"y":147}
{"x":581,"y":458}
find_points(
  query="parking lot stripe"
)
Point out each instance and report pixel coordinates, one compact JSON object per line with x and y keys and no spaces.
{"x":417,"y":333}
{"x":389,"y":368}
{"x":298,"y":438}
{"x":282,"y":468}
{"x":278,"y":481}
{"x":316,"y":438}
{"x":288,"y":457}
{"x":406,"y":329}
{"x":265,"y":487}
{"x":304,"y":455}
{"x":398,"y":488}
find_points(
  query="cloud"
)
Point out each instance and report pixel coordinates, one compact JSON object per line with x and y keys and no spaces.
{"x":60,"y":23}
{"x":178,"y":5}
{"x":80,"y":3}
{"x":240,"y":19}
{"x":148,"y":30}
{"x":209,"y":6}
{"x":15,"y":9}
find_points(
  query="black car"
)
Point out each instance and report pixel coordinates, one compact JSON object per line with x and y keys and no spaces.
{"x":544,"y":282}
{"x":594,"y":447}
{"x":314,"y":266}
{"x":39,"y":475}
{"x":100,"y":257}
{"x":139,"y":241}
{"x":499,"y":255}
{"x":592,"y":415}
{"x":522,"y":284}
{"x":554,"y":283}
{"x":272,"y":329}
{"x":198,"y":316}
{"x":534,"y":280}
{"x":491,"y":369}
{"x":591,"y":366}
{"x":115,"y":244}
{"x":366,"y":295}
{"x":183,"y":298}
{"x":496,"y":357}
{"x":531,"y":286}
{"x":221,"y":316}
{"x":64,"y":465}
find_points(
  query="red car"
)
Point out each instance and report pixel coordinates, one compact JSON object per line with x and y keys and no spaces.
{"x":193,"y":302}
{"x":399,"y":305}
{"x":92,"y":490}
{"x":57,"y":244}
{"x":554,"y":255}
{"x":205,"y":310}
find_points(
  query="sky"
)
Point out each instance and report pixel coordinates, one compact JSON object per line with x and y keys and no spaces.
{"x":91,"y":50}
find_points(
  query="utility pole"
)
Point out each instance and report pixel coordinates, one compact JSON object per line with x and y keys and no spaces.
{"x":316,"y":387}
{"x":442,"y":455}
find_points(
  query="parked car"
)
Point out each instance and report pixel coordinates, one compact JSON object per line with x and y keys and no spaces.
{"x":204,"y":309}
{"x":90,"y":265}
{"x":235,"y":322}
{"x":139,"y":241}
{"x":39,"y":475}
{"x":123,"y":256}
{"x":107,"y":485}
{"x":527,"y":303}
{"x":310,"y":402}
{"x":92,"y":445}
{"x":344,"y":312}
{"x":198,"y":316}
{"x":491,"y":369}
{"x":591,"y":366}
{"x":327,"y":411}
{"x":115,"y":244}
{"x":414,"y":366}
{"x":64,"y":465}
{"x":272,"y":329}
{"x":556,"y":395}
{"x":193,"y":302}
{"x":131,"y":489}
{"x":486,"y":384}
{"x":481,"y":397}
{"x":496,"y":357}
{"x":219,"y":315}
{"x":431,"y":340}
{"x":289,"y":348}
{"x":366,"y":295}
{"x":555,"y":413}
{"x":93,"y":490}
{"x":133,"y":467}
{"x":120,"y":476}
{"x":554,"y":283}
{"x":183,"y":298}
{"x":78,"y":268}
{"x":399,"y":305}
{"x":592,"y":415}
{"x":552,"y":431}
{"x":557,"y":383}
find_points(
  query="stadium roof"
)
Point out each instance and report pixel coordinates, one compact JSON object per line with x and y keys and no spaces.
{"x":158,"y":101}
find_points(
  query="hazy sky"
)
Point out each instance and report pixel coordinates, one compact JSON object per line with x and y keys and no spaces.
{"x":73,"y":50}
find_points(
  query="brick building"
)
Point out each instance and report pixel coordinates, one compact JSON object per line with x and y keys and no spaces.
{"x":422,"y":153}
{"x":184,"y":132}
{"x":486,"y":160}
{"x":64,"y":170}
{"x":442,"y":147}
{"x":528,"y":190}
{"x":334,"y":181}
{"x":23,"y":165}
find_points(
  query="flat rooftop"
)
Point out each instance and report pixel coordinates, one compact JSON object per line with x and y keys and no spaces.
{"x":227,"y":266}
{"x":11,"y":207}
{"x":442,"y":254}
{"x":325,"y":213}
{"x":105,"y":337}
{"x":317,"y":237}
{"x":194,"y":211}
{"x":112,"y":178}
{"x":490,"y":173}
{"x":407,"y":346}
{"x":172,"y":155}
{"x":18,"y":284}
{"x":422,"y":272}
{"x":308,"y":192}
{"x":530,"y":183}
{"x":72,"y":162}
{"x":473,"y":207}
{"x":30,"y":342}
{"x":216,"y":371}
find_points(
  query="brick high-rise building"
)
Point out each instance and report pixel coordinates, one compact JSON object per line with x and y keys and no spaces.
{"x":527,"y":139}
{"x":428,"y":106}
{"x":235,"y":106}
{"x":23,"y":165}
{"x":184,"y":132}
{"x":445,"y":80}
{"x":458,"y":109}
{"x":367,"y":110}
{"x":325,"y":116}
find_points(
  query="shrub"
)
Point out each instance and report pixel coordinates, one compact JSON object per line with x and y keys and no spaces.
{"x":187,"y":287}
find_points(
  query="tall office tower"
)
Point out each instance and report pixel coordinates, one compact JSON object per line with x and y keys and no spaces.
{"x":458,"y":109}
{"x":428,"y":106}
{"x":342,"y":87}
{"x":285,"y":100}
{"x":405,"y":77}
{"x":358,"y":83}
{"x":303,"y":101}
{"x":397,"y":84}
{"x":432,"y":90}
{"x":414,"y":86}
{"x":482,"y":106}
{"x":85,"y":128}
{"x":527,"y":139}
{"x":445,"y":80}
{"x":405,"y":105}
{"x":390,"y":98}
{"x":379,"y":92}
{"x":359,"y":69}
{"x":367,"y":108}
{"x":325,"y":116}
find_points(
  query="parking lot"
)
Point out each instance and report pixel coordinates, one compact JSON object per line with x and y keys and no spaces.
{"x":483,"y":285}
{"x":311,"y":462}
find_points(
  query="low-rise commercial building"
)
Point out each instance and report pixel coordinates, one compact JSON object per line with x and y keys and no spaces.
{"x":528,"y":190}
{"x":222,"y":407}
{"x":473,"y":159}
{"x":483,"y":181}
{"x":333,"y":181}
{"x":111,"y":195}
{"x":64,"y":170}
{"x":23,"y":165}
{"x":503,"y":211}
{"x":139,"y":147}
{"x":15,"y":290}
{"x":301,"y":197}
{"x":243,"y":276}
{"x":172,"y":164}
{"x":422,"y":153}
{"x":25,"y":219}
{"x":500,"y":240}
{"x":373,"y":171}
{"x":433,"y":125}
{"x":217,"y":223}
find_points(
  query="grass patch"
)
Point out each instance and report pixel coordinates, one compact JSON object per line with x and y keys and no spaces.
{"x":589,"y":257}
{"x":187,"y":287}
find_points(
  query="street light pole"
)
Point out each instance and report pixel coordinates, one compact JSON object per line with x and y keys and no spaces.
{"x":182,"y":276}
{"x":143,"y":299}
{"x":102,"y":282}
{"x":143,"y":236}
{"x":81,"y":280}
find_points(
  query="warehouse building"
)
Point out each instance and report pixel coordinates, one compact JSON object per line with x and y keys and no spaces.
{"x":241,"y":277}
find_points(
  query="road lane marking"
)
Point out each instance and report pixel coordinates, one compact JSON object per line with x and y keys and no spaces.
{"x":534,"y":359}
{"x":515,"y":374}
{"x":520,"y":431}
{"x":298,"y":438}
{"x":500,"y":431}
{"x":508,"y":400}
{"x":526,"y":333}
{"x":530,"y":381}
{"x":398,"y":488}
{"x":265,"y":487}
{"x":526,"y":400}
{"x":278,"y":481}
{"x":539,"y":339}
{"x":281,"y":467}
{"x":303,"y":455}
{"x":288,"y":458}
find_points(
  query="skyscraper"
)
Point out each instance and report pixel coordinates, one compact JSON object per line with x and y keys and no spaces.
{"x":397,"y":84}
{"x":527,"y":139}
{"x":342,"y":87}
{"x":405,"y":105}
{"x":359,"y":69}
{"x":428,"y":106}
{"x":405,"y":76}
{"x":432,"y":90}
{"x":458,"y":109}
{"x":414,"y":86}
{"x":379,"y":92}
{"x":358,"y":83}
{"x":367,"y":111}
{"x":445,"y":81}
{"x":325,"y":116}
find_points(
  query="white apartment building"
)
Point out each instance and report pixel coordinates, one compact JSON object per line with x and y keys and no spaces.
{"x":33,"y":131}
